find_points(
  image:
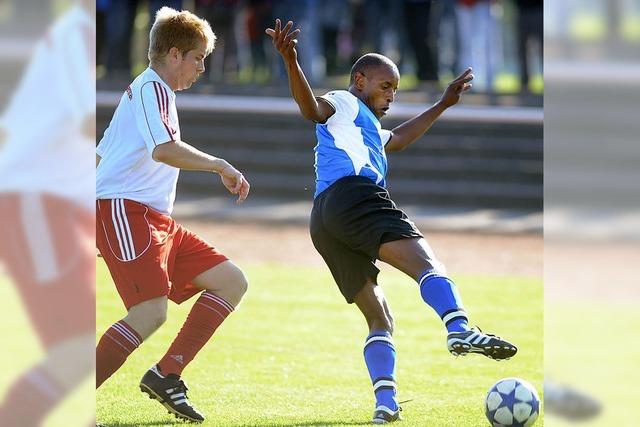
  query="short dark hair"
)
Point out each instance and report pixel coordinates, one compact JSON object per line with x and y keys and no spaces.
{"x":368,"y":61}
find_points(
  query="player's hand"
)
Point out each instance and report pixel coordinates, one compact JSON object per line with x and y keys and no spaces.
{"x":284,"y":40}
{"x":235,"y":182}
{"x":456,"y":88}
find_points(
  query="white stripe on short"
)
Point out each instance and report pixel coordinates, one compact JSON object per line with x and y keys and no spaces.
{"x":125,"y":221}
{"x":119,"y":232}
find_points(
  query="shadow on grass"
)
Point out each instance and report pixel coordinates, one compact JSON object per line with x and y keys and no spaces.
{"x":143,"y":423}
{"x":284,"y":424}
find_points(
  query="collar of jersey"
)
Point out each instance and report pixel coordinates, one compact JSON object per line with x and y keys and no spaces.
{"x":161,"y":81}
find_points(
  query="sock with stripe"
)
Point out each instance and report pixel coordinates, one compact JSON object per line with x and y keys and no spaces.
{"x":380,"y":357}
{"x":114,"y":347}
{"x":441,"y":294}
{"x":206,"y":315}
{"x":31,"y":398}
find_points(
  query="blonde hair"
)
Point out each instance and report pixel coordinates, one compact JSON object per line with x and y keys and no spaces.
{"x":182,"y":30}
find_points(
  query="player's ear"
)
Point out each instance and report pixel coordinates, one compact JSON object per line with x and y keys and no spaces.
{"x":359,"y":80}
{"x":174,"y":54}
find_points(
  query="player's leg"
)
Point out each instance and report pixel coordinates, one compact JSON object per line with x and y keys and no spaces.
{"x":224,"y":286}
{"x":379,"y":351}
{"x":197,"y":267}
{"x":415,"y":258}
{"x":135,"y":257}
{"x":44,"y":254}
{"x":125,"y":336}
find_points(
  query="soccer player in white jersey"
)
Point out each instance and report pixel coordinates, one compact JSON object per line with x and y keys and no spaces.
{"x":354,"y":222}
{"x":152,"y":258}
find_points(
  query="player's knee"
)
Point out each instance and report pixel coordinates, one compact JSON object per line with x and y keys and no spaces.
{"x":235,"y":287}
{"x":438,"y":267}
{"x":238,"y":284}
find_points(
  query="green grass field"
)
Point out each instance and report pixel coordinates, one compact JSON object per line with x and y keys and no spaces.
{"x":292,"y":354}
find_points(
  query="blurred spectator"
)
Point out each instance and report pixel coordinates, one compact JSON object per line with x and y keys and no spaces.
{"x":334,"y":19}
{"x":530,"y":28}
{"x":476,"y":26}
{"x":221,"y":14}
{"x":422,"y":38}
{"x":119,"y":21}
{"x":258,"y":18}
{"x":447,"y":42}
{"x":304,"y":14}
{"x":102,"y":8}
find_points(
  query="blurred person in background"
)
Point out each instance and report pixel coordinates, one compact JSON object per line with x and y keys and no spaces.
{"x":119,"y":22}
{"x":222,"y":13}
{"x":422,"y":32}
{"x":46,"y":193}
{"x":530,"y":29}
{"x":258,"y":15}
{"x":304,"y":12}
{"x":354,"y":222}
{"x":448,"y":42}
{"x":150,"y":256}
{"x":476,"y":27}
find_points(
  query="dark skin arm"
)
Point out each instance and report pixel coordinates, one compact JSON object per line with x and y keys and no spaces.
{"x":284,"y":41}
{"x":408,"y":132}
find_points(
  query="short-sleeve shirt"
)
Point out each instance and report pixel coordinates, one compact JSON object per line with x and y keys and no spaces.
{"x":350,"y":143}
{"x":146,"y":116}
{"x":46,"y":149}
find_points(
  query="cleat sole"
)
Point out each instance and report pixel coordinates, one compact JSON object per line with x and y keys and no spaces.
{"x":170,"y":410}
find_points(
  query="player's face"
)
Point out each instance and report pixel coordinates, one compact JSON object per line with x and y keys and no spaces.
{"x":380,"y":89}
{"x":191,"y":66}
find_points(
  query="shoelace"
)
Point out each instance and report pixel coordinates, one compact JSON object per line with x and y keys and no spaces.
{"x":489,"y":335}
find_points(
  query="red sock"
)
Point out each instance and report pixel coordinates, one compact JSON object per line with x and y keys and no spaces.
{"x":113,"y":349}
{"x":207,"y":314}
{"x":30,"y":399}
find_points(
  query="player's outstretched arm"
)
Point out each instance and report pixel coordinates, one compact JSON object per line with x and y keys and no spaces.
{"x":409,"y":131}
{"x":181,"y":155}
{"x":284,"y":41}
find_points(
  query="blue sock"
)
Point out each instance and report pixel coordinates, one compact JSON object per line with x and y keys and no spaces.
{"x":441,"y":294}
{"x":380,"y":357}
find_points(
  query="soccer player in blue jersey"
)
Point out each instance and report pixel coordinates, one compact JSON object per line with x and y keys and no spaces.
{"x":354,"y":222}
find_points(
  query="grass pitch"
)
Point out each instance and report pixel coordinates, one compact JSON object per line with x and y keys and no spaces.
{"x":292,"y":354}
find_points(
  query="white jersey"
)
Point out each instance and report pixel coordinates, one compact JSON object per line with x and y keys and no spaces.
{"x":145,"y":117}
{"x":46,"y":150}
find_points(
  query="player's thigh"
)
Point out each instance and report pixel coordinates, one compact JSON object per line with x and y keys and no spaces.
{"x":411,"y":256}
{"x":226,"y":280}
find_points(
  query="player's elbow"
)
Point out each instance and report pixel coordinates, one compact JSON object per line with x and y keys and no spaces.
{"x":162,"y":153}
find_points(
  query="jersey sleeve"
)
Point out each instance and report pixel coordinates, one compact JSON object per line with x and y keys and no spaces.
{"x":152,"y":114}
{"x":385,"y":136}
{"x":345,"y":105}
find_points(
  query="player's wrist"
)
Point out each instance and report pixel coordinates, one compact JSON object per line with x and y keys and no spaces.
{"x":220,"y":165}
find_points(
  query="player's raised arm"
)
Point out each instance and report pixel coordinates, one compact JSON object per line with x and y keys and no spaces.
{"x":409,"y":131}
{"x":284,"y":41}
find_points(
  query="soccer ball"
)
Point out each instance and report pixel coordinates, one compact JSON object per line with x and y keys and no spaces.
{"x":512,"y":402}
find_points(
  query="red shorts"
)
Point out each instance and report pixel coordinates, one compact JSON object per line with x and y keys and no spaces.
{"x":47,"y":249}
{"x":148,"y":254}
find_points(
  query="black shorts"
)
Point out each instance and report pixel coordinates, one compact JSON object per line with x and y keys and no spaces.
{"x":349,"y":222}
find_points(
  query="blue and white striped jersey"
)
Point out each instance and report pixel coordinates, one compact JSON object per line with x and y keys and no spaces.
{"x":351,"y":142}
